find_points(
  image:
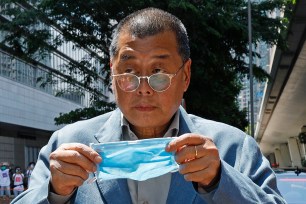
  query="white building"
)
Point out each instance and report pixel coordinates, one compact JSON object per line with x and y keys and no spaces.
{"x":28,"y":105}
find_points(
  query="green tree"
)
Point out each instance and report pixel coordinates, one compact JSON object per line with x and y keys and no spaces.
{"x":217,"y":30}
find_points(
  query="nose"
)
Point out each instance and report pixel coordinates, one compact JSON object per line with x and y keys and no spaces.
{"x":144,"y":87}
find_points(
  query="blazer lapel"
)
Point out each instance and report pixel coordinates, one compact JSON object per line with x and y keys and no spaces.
{"x":115,"y":191}
{"x":180,"y":190}
{"x":186,"y":125}
{"x":179,"y":187}
{"x":111,"y":130}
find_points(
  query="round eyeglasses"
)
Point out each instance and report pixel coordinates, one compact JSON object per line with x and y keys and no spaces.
{"x":158,"y":82}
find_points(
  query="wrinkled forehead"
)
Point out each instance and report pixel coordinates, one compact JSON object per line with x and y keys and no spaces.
{"x":127,"y":37}
{"x":161,"y":45}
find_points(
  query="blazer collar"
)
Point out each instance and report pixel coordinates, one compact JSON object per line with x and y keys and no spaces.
{"x":186,"y":125}
{"x":111,"y":130}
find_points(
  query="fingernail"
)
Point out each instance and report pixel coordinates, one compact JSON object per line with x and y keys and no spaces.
{"x":98,"y":159}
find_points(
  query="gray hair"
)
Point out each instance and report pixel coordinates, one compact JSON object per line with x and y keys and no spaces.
{"x":149,"y":22}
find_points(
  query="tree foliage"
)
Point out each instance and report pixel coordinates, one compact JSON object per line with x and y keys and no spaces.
{"x":217,"y":31}
{"x":98,"y":108}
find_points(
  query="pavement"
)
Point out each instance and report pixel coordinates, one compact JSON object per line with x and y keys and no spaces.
{"x":6,"y":199}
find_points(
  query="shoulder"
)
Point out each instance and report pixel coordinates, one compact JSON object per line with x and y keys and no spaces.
{"x":89,"y":123}
{"x":225,"y":136}
{"x":81,"y":130}
{"x":231,"y":142}
{"x":215,"y":128}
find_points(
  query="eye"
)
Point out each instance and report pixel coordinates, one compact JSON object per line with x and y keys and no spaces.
{"x":159,"y":68}
{"x":128,"y":69}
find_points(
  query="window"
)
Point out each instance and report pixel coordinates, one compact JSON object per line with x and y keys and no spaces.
{"x":31,"y":154}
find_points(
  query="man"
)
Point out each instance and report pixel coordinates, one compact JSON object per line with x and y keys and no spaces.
{"x":29,"y":172}
{"x":18,"y":177}
{"x":5,"y":181}
{"x":150,"y":68}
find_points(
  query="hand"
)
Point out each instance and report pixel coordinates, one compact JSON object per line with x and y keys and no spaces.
{"x":70,"y":165}
{"x":198,"y":158}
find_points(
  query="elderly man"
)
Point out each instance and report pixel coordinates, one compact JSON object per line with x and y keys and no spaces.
{"x":150,"y":65}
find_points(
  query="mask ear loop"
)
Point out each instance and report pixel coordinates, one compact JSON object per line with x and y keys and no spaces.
{"x":93,"y":179}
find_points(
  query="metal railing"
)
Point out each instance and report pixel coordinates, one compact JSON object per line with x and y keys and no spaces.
{"x":41,"y":79}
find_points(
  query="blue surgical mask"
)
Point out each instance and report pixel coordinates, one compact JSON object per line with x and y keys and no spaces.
{"x":138,"y":159}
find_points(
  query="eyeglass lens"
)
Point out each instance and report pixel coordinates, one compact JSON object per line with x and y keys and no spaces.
{"x":130,"y":82}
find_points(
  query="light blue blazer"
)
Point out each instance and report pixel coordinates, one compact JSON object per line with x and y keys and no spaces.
{"x":246,"y":176}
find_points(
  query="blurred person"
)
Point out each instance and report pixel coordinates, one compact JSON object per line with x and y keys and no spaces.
{"x":28,"y":173}
{"x":5,"y":181}
{"x":150,"y":66}
{"x":18,"y":177}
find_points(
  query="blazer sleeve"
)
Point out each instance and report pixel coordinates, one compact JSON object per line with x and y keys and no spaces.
{"x":251,"y":181}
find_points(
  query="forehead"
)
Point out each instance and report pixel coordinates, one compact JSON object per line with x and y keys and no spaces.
{"x":161,"y":42}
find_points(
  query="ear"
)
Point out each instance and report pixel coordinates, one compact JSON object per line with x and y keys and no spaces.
{"x":111,"y":73}
{"x":111,"y":66}
{"x":187,"y":74}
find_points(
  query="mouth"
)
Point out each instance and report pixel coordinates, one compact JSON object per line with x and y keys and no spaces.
{"x":144,"y":108}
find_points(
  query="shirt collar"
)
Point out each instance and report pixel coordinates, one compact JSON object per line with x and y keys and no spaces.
{"x":128,"y":134}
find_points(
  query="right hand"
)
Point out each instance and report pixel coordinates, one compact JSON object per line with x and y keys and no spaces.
{"x":70,"y":166}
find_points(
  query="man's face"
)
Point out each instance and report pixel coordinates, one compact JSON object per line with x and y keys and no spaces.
{"x":144,"y":107}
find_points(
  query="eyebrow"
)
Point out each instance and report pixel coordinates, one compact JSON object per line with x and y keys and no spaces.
{"x":164,"y":56}
{"x":126,"y":57}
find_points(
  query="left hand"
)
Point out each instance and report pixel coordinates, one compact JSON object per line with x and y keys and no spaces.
{"x":198,"y":158}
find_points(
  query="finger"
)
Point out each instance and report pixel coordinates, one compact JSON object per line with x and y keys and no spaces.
{"x":73,"y":157}
{"x":199,"y":165}
{"x":192,"y":166}
{"x":204,"y":176}
{"x":186,"y":139}
{"x":84,"y":150}
{"x":68,"y":168}
{"x":69,"y":184}
{"x":185,"y":154}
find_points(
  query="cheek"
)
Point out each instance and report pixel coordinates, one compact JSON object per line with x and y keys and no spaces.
{"x":121,"y":98}
{"x":118,"y":93}
{"x":177,"y":91}
{"x":171,"y":101}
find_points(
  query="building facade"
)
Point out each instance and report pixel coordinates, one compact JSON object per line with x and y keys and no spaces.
{"x":32,"y":95}
{"x":258,"y":87}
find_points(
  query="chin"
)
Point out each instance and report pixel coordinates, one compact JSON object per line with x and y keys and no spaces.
{"x":144,"y":123}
